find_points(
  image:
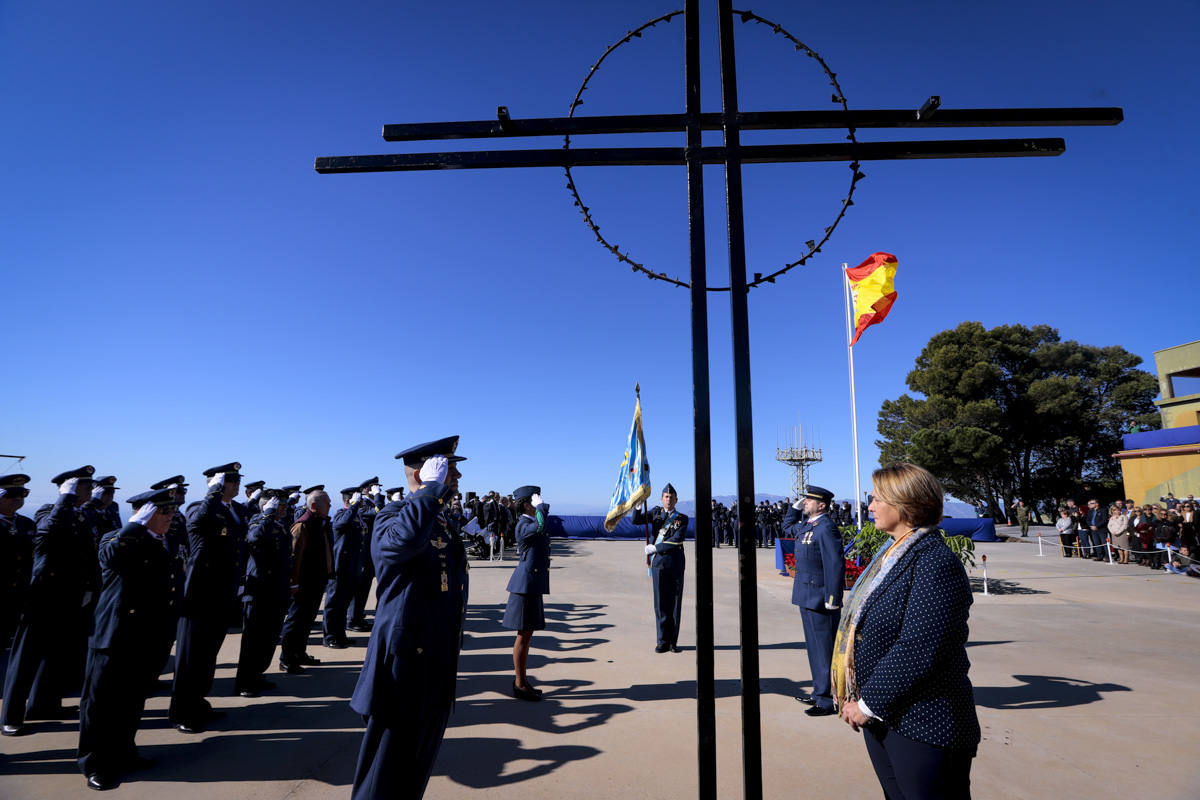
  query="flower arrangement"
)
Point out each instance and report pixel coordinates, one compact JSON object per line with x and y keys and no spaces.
{"x":789,"y":563}
{"x":853,"y":570}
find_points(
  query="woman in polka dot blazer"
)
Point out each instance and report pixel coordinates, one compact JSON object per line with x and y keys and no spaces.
{"x":900,"y":661}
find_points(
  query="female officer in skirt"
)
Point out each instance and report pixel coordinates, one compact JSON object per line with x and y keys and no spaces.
{"x":530,"y":580}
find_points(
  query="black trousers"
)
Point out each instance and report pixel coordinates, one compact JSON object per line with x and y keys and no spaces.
{"x":110,"y":709}
{"x":300,"y":616}
{"x":362,"y":591}
{"x":197,"y":642}
{"x":339,"y":592}
{"x":41,"y":664}
{"x":396,"y":761}
{"x":911,"y":770}
{"x":262,"y":622}
{"x":668,"y":604}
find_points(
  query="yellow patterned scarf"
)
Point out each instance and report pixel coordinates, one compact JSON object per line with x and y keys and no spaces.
{"x":845,"y":687}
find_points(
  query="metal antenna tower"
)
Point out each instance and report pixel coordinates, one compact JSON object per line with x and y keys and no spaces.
{"x":799,"y":456}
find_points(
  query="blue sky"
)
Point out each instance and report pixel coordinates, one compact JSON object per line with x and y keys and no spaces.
{"x":182,"y":289}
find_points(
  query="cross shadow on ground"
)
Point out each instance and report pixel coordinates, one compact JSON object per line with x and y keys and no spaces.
{"x":1044,"y":691}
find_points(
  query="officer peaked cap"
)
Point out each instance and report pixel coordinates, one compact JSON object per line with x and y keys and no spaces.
{"x":415,"y":456}
{"x":393,"y":490}
{"x":163,"y":498}
{"x":254,"y":485}
{"x":819,"y":493}
{"x":291,"y":487}
{"x":320,"y":487}
{"x":525,"y":492}
{"x":176,"y":481}
{"x":369,"y":482}
{"x":14,"y":481}
{"x":81,"y":472}
{"x":229,"y":469}
{"x":348,"y":491}
{"x":107,"y":482}
{"x":669,"y":489}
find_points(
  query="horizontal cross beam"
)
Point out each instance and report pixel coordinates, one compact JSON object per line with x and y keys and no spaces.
{"x":661,"y":156}
{"x":755,"y":120}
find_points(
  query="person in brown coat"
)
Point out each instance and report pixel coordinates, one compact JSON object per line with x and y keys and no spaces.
{"x":312,"y":564}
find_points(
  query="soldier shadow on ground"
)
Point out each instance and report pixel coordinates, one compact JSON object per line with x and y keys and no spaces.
{"x":482,"y":763}
{"x":1001,"y":586}
{"x":1044,"y":691}
{"x":569,"y":618}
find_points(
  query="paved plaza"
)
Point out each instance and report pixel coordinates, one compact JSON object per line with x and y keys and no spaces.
{"x":1084,"y":674}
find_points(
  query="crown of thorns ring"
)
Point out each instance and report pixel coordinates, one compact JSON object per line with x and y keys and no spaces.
{"x":813,"y":246}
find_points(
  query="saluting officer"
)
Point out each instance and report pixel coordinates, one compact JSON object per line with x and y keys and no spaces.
{"x":106,"y":514}
{"x":817,"y":588}
{"x":210,"y":588}
{"x":357,"y":613}
{"x":16,"y":558}
{"x":406,"y":688}
{"x":265,"y":601}
{"x":287,"y":509}
{"x":54,"y":625}
{"x":132,"y":611}
{"x":176,"y":541}
{"x":666,"y":566}
{"x":525,"y":612}
{"x":349,"y":528}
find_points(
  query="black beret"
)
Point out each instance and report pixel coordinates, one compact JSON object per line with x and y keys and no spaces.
{"x":669,"y":489}
{"x":254,"y":485}
{"x":229,"y":469}
{"x":523,"y":493}
{"x":415,"y":456}
{"x":176,"y":480}
{"x":81,"y":472}
{"x":320,"y":487}
{"x":163,"y":498}
{"x":819,"y":493}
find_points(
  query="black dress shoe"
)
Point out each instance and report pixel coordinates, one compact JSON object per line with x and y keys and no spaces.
{"x":525,"y":694}
{"x":307,"y":660}
{"x":818,"y":711}
{"x":290,"y":668}
{"x":13,"y":730}
{"x":249,"y":693}
{"x":101,"y":782}
{"x":807,"y":699}
{"x":661,"y":648}
{"x":189,"y":727}
{"x":337,"y":644}
{"x":675,"y":649}
{"x":358,"y":627}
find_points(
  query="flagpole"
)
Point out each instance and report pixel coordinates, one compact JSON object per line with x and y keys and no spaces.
{"x":853,"y":401}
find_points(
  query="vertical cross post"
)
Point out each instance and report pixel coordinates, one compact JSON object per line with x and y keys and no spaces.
{"x":740,"y":316}
{"x":706,"y":714}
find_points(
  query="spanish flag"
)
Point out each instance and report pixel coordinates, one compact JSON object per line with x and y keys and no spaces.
{"x":872,"y":284}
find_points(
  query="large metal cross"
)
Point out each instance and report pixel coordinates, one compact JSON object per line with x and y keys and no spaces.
{"x":732,"y":154}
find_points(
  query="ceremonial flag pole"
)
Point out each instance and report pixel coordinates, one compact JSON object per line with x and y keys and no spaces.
{"x":872,"y":286}
{"x":633,"y":481}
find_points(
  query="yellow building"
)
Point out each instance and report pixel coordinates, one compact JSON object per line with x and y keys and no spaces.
{"x":1154,"y":463}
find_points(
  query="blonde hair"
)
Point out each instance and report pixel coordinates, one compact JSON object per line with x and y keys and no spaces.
{"x":916,"y":495}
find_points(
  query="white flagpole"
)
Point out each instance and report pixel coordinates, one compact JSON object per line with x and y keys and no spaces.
{"x":853,"y":403}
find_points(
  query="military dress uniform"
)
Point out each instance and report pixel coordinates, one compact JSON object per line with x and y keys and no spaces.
{"x":16,"y":562}
{"x":531,"y":578}
{"x":176,"y":542}
{"x":132,"y":611}
{"x":666,"y":571}
{"x":209,"y":588}
{"x":55,"y":625}
{"x":406,"y":688}
{"x":356,"y":615}
{"x":348,"y":532}
{"x":265,"y":601}
{"x":817,"y":590}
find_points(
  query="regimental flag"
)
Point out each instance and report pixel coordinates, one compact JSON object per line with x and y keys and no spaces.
{"x":633,"y":484}
{"x":873,"y":285}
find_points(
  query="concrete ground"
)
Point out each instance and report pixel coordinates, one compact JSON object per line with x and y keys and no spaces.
{"x":1084,"y":674}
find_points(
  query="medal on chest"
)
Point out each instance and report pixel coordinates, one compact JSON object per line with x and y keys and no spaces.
{"x":440,"y":543}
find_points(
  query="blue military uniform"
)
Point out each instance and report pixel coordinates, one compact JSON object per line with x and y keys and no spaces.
{"x":666,"y":570}
{"x":176,"y":542}
{"x":348,"y":531}
{"x":16,"y":562}
{"x":265,"y":600}
{"x":132,"y":611}
{"x":817,"y":590}
{"x":357,"y":612}
{"x":54,"y":628}
{"x":209,"y":589}
{"x":406,"y":688}
{"x":531,"y":578}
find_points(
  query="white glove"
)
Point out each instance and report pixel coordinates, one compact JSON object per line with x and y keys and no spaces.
{"x":143,"y":514}
{"x":68,"y":486}
{"x":255,"y":495}
{"x":651,"y":549}
{"x":354,"y":498}
{"x":87,"y":596}
{"x":270,"y":505}
{"x":294,"y":497}
{"x":435,"y":468}
{"x":216,"y":481}
{"x":798,"y":505}
{"x":536,"y":499}
{"x":375,"y":489}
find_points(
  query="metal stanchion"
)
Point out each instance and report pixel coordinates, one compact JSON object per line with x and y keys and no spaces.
{"x":1040,"y":553}
{"x":985,"y":589}
{"x":1108,"y":546}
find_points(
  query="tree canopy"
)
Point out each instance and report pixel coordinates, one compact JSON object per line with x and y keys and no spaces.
{"x":1016,"y":413}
